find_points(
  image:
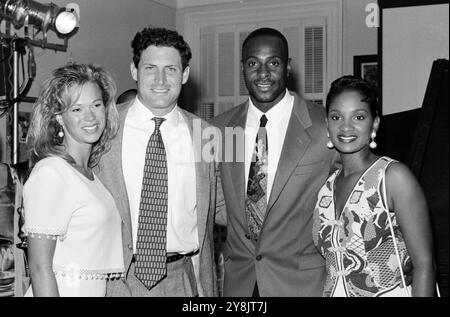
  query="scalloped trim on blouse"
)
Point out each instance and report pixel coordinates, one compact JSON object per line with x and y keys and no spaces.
{"x":89,"y":274}
{"x":45,"y":233}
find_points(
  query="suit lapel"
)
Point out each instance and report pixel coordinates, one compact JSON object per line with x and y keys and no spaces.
{"x":295,"y":144}
{"x":201,"y":174}
{"x":237,"y":166}
{"x":115,"y":171}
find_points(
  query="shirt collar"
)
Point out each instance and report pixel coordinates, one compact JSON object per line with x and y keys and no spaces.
{"x":274,"y":115}
{"x":141,"y":114}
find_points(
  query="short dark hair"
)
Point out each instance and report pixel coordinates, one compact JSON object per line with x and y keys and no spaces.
{"x":127,"y":95}
{"x":160,"y":37}
{"x":367,"y":91}
{"x":266,"y":32}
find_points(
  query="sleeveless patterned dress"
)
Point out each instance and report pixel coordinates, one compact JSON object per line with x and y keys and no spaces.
{"x":358,"y":246}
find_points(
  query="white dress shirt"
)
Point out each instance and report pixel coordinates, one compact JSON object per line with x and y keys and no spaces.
{"x":182,"y":234}
{"x":277,"y":122}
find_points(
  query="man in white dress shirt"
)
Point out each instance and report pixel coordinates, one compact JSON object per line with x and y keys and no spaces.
{"x":160,"y":67}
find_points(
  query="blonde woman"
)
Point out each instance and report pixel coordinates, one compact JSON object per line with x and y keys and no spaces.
{"x":71,"y":220}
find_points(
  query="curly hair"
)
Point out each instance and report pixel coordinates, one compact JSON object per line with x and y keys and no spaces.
{"x":160,"y":37}
{"x":351,"y":83}
{"x":55,"y":97}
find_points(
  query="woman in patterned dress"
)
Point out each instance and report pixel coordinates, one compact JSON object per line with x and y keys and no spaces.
{"x":72,"y":223}
{"x":351,"y":218}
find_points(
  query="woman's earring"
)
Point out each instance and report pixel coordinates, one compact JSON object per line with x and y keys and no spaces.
{"x":61,"y":132}
{"x":372,"y":143}
{"x":329,"y":143}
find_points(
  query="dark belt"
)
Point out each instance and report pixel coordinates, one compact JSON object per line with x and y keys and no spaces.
{"x":171,"y":258}
{"x":178,"y":256}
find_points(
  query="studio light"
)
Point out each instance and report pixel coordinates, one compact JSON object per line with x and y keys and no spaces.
{"x":32,"y":21}
{"x":65,"y":22}
{"x":42,"y":16}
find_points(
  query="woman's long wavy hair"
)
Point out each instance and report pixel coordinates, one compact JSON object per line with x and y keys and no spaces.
{"x":60,"y":91}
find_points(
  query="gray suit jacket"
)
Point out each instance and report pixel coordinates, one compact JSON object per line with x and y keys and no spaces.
{"x":284,"y":261}
{"x":110,"y":172}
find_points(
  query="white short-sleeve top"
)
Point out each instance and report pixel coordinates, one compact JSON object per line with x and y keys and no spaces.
{"x":61,"y":202}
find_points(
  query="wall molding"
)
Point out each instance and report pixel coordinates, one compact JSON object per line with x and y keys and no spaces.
{"x":190,"y":21}
{"x":168,"y":3}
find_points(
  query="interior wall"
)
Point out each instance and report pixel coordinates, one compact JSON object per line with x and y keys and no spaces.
{"x":358,"y":38}
{"x":413,"y":37}
{"x":106,"y":30}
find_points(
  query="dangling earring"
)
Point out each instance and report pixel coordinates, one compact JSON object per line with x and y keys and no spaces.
{"x":372,"y":143}
{"x":61,"y":132}
{"x":329,"y":143}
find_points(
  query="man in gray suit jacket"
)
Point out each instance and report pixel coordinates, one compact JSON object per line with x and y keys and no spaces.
{"x":160,"y":67}
{"x":282,"y":260}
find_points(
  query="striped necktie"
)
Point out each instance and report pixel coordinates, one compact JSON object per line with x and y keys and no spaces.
{"x":151,"y":246}
{"x":256,"y":201}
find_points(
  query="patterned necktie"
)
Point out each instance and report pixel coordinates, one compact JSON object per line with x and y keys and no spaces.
{"x":151,"y":246}
{"x":256,"y":203}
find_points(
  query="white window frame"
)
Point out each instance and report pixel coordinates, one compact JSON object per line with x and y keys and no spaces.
{"x":191,"y":21}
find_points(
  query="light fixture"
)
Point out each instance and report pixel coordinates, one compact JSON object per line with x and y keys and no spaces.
{"x":42,"y":16}
{"x":30,"y":15}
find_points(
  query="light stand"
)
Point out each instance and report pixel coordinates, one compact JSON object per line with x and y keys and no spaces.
{"x":15,"y":117}
{"x":42,"y":17}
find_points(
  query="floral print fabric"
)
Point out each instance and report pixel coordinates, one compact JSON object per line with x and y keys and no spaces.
{"x":358,"y":246}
